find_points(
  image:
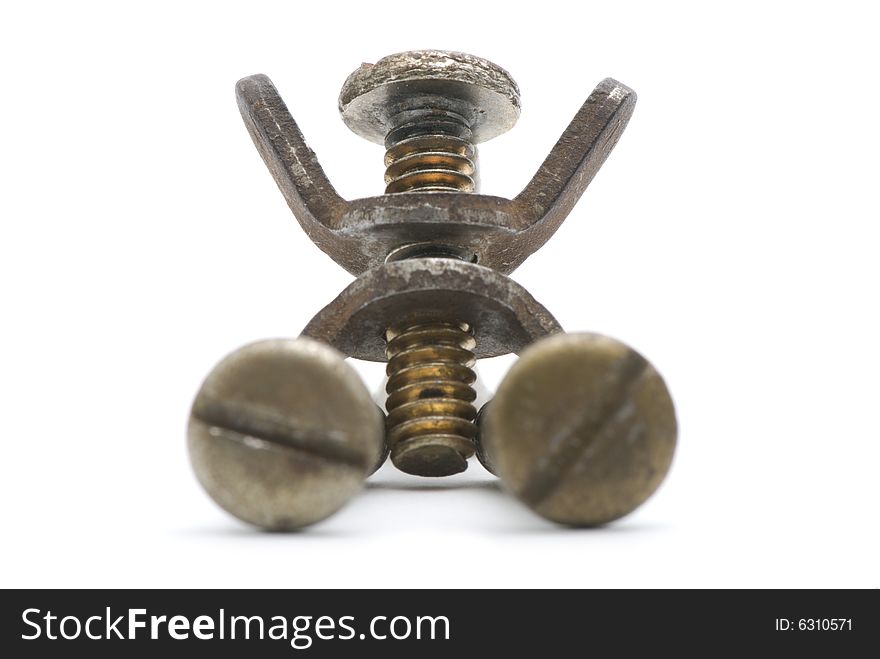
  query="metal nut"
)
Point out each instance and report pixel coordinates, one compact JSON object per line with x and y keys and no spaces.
{"x":283,"y":433}
{"x":582,"y":429}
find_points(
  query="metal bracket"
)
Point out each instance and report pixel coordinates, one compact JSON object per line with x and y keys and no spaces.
{"x":500,"y":232}
{"x":504,"y":316}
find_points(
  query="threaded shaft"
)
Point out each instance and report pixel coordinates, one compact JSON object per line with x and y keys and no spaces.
{"x":430,"y":150}
{"x":431,"y":426}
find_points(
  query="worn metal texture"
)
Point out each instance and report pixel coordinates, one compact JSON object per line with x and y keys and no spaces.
{"x":283,"y":432}
{"x":293,"y":165}
{"x":431,"y":254}
{"x":582,"y":429}
{"x":430,"y":424}
{"x":479,"y":91}
{"x":430,"y":109}
{"x":504,"y":317}
{"x":502,"y":233}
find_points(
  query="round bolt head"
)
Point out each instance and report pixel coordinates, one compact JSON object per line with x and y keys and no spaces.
{"x":480,"y":91}
{"x":582,"y":429}
{"x":283,"y":433}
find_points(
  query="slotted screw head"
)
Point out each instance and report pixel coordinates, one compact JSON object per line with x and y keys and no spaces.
{"x":283,"y":433}
{"x":582,"y":429}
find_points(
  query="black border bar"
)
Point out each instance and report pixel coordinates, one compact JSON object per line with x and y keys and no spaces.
{"x":519,"y":621}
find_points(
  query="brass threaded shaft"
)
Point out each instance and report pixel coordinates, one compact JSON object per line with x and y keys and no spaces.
{"x":430,"y":425}
{"x":430,"y":151}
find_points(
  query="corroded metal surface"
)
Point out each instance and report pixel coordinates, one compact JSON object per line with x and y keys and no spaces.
{"x":283,"y":432}
{"x":430,"y":109}
{"x":293,"y":165}
{"x":501,"y":232}
{"x":504,"y":317}
{"x":582,"y":429}
{"x":479,"y":91}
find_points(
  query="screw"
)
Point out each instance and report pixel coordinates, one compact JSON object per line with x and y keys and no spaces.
{"x":582,"y":429}
{"x":283,"y":432}
{"x":430,"y":108}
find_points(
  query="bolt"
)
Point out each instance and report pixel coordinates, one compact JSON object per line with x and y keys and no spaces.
{"x":283,"y":432}
{"x":430,"y":108}
{"x":582,"y":429}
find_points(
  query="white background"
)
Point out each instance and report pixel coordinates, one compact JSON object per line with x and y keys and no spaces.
{"x":732,"y":238}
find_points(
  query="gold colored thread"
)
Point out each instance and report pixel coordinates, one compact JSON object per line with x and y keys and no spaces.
{"x":429,"y":387}
{"x":430,"y":163}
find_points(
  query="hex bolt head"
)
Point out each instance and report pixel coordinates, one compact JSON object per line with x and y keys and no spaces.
{"x":283,"y":433}
{"x":582,"y":429}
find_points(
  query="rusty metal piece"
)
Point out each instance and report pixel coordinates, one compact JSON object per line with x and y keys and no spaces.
{"x":501,"y":233}
{"x":503,"y":316}
{"x":582,"y":429}
{"x":283,"y":432}
{"x":431,"y":293}
{"x":440,"y":311}
{"x":374,"y":95}
{"x":430,"y":108}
